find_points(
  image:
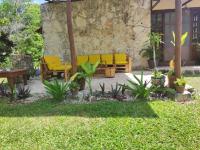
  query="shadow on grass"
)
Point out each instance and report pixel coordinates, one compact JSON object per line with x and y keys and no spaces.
{"x":94,"y":110}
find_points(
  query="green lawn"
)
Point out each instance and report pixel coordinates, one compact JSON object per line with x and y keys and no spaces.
{"x":102,"y":125}
{"x":194,"y":81}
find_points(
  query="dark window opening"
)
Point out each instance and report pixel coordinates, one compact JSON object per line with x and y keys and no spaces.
{"x":196,"y":26}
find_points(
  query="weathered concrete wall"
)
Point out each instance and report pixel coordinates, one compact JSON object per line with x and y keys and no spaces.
{"x":100,"y":26}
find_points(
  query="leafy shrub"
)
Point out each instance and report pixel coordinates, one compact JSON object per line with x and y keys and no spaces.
{"x":139,"y":88}
{"x":23,"y":92}
{"x":162,"y":92}
{"x":57,"y":89}
{"x":171,"y":73}
{"x":180,"y":81}
{"x":5,"y":46}
{"x":4,"y":89}
{"x":157,"y":74}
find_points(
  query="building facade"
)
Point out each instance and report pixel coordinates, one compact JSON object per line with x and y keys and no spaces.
{"x":100,"y":26}
{"x":163,"y":21}
{"x":107,"y":26}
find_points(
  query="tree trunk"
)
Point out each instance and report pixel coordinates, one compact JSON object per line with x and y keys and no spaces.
{"x":154,"y":58}
{"x":178,"y":4}
{"x":71,"y":37}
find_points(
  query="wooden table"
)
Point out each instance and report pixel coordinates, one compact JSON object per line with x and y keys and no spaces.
{"x":12,"y":76}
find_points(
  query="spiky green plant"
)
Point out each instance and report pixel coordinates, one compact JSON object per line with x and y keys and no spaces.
{"x":115,"y":91}
{"x":57,"y":89}
{"x":102,"y":86}
{"x":23,"y":92}
{"x":139,"y":88}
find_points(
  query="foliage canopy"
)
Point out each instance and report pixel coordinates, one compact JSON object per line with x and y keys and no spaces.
{"x":20,"y":21}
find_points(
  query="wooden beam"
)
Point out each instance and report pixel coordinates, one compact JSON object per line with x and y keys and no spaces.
{"x":154,"y":3}
{"x":71,"y":37}
{"x":178,"y":32}
{"x":184,"y":2}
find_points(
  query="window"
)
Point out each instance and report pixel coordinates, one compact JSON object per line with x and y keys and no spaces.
{"x":196,"y":26}
{"x":157,"y":22}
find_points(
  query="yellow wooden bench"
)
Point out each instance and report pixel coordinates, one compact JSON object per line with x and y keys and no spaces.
{"x":107,"y":59}
{"x":123,"y":62}
{"x":82,"y":59}
{"x":51,"y":65}
{"x":93,"y":59}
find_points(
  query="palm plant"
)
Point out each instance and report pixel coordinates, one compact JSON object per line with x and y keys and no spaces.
{"x":183,"y":38}
{"x":155,"y":41}
{"x":89,"y":70}
{"x":151,"y":50}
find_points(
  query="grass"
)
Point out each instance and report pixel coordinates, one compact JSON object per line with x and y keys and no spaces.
{"x":194,"y":81}
{"x":102,"y":125}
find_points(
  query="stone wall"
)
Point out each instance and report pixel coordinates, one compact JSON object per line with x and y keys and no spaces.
{"x":100,"y":26}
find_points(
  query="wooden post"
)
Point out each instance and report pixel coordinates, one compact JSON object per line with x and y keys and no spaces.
{"x":71,"y":37}
{"x":178,"y":33}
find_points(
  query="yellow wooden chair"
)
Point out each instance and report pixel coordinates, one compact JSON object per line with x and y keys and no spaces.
{"x":82,"y":59}
{"x":52,"y":64}
{"x":93,"y":59}
{"x":107,"y":59}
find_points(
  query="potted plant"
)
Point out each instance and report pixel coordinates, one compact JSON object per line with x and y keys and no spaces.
{"x":151,"y":50}
{"x":81,"y":79}
{"x":171,"y":75}
{"x":147,"y":53}
{"x":180,"y":85}
{"x":157,"y":78}
{"x":74,"y":87}
{"x":171,"y":79}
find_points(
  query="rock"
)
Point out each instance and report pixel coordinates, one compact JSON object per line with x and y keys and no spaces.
{"x":35,"y":97}
{"x":92,"y":98}
{"x":188,"y":87}
{"x":83,"y":95}
{"x":183,"y":97}
{"x":128,"y":98}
